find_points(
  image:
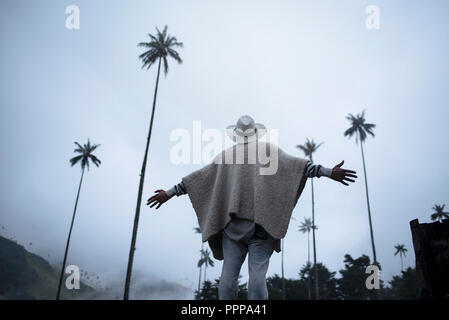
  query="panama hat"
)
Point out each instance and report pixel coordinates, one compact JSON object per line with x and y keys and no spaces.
{"x":246,"y":127}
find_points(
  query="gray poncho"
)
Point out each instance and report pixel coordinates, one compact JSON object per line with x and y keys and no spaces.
{"x":255,"y":181}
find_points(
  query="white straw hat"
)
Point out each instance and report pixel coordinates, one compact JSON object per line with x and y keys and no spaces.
{"x":246,"y":127}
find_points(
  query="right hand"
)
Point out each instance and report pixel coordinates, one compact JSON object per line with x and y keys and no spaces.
{"x":343,"y":175}
{"x":158,"y":199}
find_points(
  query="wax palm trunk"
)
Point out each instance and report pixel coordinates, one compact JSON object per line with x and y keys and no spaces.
{"x":139,"y":195}
{"x":368,"y":205}
{"x":201,"y":267}
{"x":378,"y":293}
{"x":282,"y":270}
{"x":317,"y":294}
{"x":308,"y":263}
{"x":61,"y":276}
{"x":199,"y":281}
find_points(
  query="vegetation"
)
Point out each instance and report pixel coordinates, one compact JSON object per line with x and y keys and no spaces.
{"x":404,"y":286}
{"x":350,"y":285}
{"x":209,"y":290}
{"x":327,"y":284}
{"x":27,"y":276}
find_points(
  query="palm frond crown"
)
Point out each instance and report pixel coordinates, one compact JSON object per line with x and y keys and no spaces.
{"x":160,"y":46}
{"x":439,"y":213}
{"x":400,"y":249}
{"x":359,"y":127}
{"x":85,"y":155}
{"x":206,"y":260}
{"x":309,"y":147}
{"x":306,"y":226}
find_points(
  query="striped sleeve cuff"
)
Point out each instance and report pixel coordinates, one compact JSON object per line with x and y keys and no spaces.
{"x":316,"y":170}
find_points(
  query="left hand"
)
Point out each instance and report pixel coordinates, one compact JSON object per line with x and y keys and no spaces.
{"x":342,"y":175}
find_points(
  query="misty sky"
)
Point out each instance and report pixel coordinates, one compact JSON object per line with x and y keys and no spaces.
{"x":297,"y":66}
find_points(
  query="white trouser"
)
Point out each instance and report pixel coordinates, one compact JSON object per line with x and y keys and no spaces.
{"x":234,"y":253}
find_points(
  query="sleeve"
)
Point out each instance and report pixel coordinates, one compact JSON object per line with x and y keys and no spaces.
{"x":178,"y":190}
{"x":316,"y":170}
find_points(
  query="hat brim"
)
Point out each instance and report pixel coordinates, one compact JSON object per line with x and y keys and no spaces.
{"x":236,"y":135}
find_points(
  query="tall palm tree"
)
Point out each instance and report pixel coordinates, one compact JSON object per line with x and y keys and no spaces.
{"x":206,"y":260}
{"x":159,"y":48}
{"x":307,"y":226}
{"x":439,"y":213}
{"x":198,"y":230}
{"x":360,"y":128}
{"x":200,"y":266}
{"x":84,"y":157}
{"x":401,"y":249}
{"x":309,"y":148}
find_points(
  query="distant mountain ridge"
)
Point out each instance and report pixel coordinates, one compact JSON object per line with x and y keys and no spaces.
{"x":25,"y":275}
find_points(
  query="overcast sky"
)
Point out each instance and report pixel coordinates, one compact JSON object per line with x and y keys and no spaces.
{"x":296,"y":66}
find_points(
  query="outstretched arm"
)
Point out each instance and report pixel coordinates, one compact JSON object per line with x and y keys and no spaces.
{"x":336,"y":173}
{"x":162,"y":196}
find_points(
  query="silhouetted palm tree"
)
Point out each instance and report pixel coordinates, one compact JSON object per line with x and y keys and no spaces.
{"x":439,"y":213}
{"x":206,"y":260}
{"x":304,"y":227}
{"x":159,"y":48}
{"x":360,"y":128}
{"x":84,"y":157}
{"x":198,"y":230}
{"x":309,"y":148}
{"x":400,"y":248}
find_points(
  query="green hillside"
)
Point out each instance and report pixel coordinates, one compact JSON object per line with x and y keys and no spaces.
{"x":24,"y":275}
